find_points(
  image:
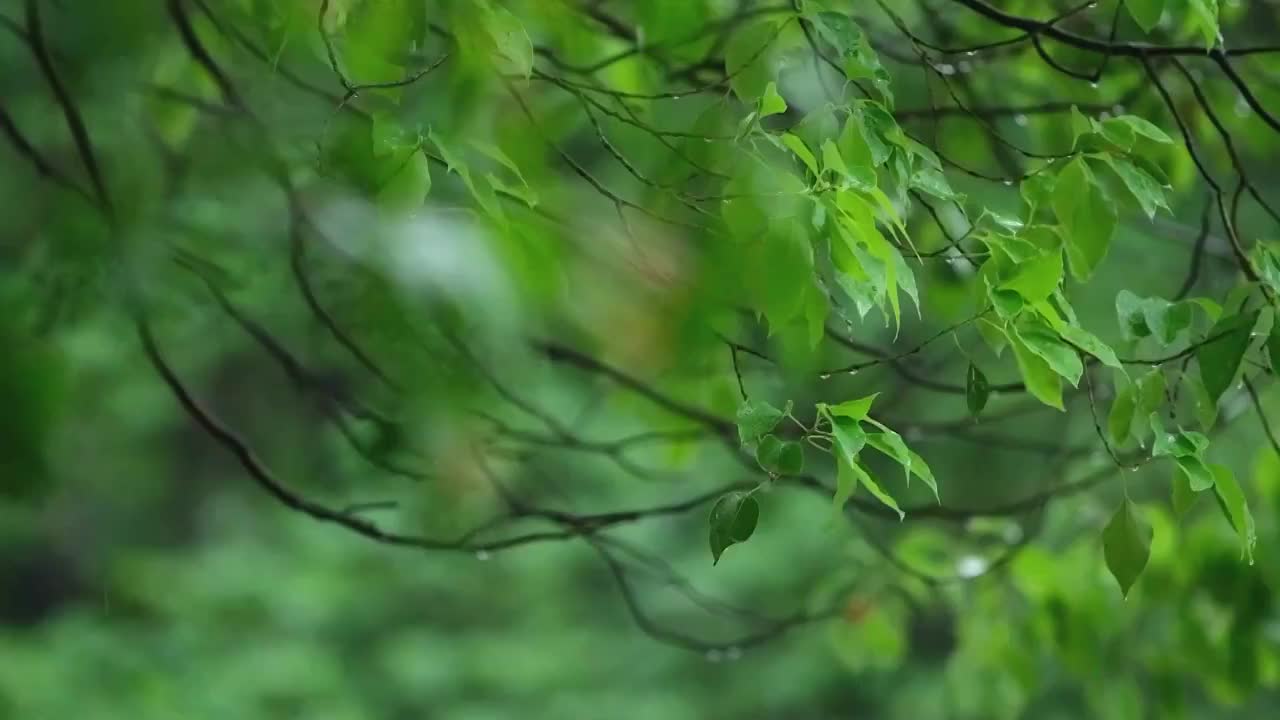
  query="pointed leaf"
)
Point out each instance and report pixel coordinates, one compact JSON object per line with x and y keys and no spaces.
{"x":1126,"y":543}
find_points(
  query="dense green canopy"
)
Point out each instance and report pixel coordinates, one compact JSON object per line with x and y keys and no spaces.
{"x":639,"y":359}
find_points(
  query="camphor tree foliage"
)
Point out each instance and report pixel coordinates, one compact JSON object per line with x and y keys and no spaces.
{"x":939,"y":309}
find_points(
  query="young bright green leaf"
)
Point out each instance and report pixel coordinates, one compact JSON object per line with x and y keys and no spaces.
{"x":934,"y":183}
{"x":847,"y":476}
{"x":755,"y":419}
{"x":772,"y":103}
{"x":1060,"y":356}
{"x":1204,"y":14}
{"x":1039,"y":377}
{"x":1145,"y":12}
{"x":407,"y":188}
{"x":733,"y":520}
{"x":864,"y":478}
{"x":1036,"y":279}
{"x":854,"y":409}
{"x":1126,"y":543}
{"x":1235,"y":507}
{"x":976,"y":390}
{"x":1143,"y":127}
{"x":746,"y":60}
{"x":514,"y":48}
{"x":1145,"y":189}
{"x":1087,"y":215}
{"x":1199,"y":476}
{"x":849,"y":437}
{"x":1223,"y":350}
{"x":797,"y":146}
{"x":921,"y":469}
{"x":1090,"y":343}
{"x":891,"y":444}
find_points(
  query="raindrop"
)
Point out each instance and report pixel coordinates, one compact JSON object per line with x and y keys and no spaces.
{"x":482,"y":555}
{"x":1104,"y":115}
{"x":971,"y":53}
{"x":1117,"y":109}
{"x":947,"y":69}
{"x":852,"y":373}
{"x":964,"y":66}
{"x":733,"y":653}
{"x":825,"y":376}
{"x":1020,"y":120}
{"x":1007,"y":181}
{"x":1093,"y":85}
{"x":675,"y":97}
{"x":714,"y":656}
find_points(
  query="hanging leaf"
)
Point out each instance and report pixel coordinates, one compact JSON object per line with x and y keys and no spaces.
{"x":1041,"y":380}
{"x":1126,"y":543}
{"x":976,"y":390}
{"x":1223,"y":350}
{"x":733,"y":520}
{"x":1235,"y":507}
{"x":772,"y":103}
{"x":780,"y":457}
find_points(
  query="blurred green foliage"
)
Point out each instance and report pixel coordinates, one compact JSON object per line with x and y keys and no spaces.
{"x":578,"y":296}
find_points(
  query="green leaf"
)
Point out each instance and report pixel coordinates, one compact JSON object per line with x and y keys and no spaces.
{"x":1060,"y":356}
{"x":755,"y":419}
{"x":1120,"y":421}
{"x":797,"y":146}
{"x":746,"y":61}
{"x":1220,"y":355}
{"x":1204,"y":15}
{"x":1145,"y":189}
{"x":514,"y":48}
{"x":1041,"y":380}
{"x":772,"y":103}
{"x":1145,"y":12}
{"x":1151,"y":393}
{"x":934,"y":183}
{"x":1184,"y":443}
{"x":1143,"y":127}
{"x":780,"y":457}
{"x":1142,"y":317}
{"x":846,"y":481}
{"x":1036,"y":279}
{"x":1183,"y":497}
{"x":733,"y":520}
{"x":1273,"y":347}
{"x":891,"y":444}
{"x":976,"y":390}
{"x":855,"y":409}
{"x":407,"y":188}
{"x":1235,"y":507}
{"x":864,"y":478}
{"x":1087,"y":216}
{"x":921,"y":469}
{"x":1199,"y":477}
{"x":1090,"y":343}
{"x":849,"y":438}
{"x":1126,"y":543}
